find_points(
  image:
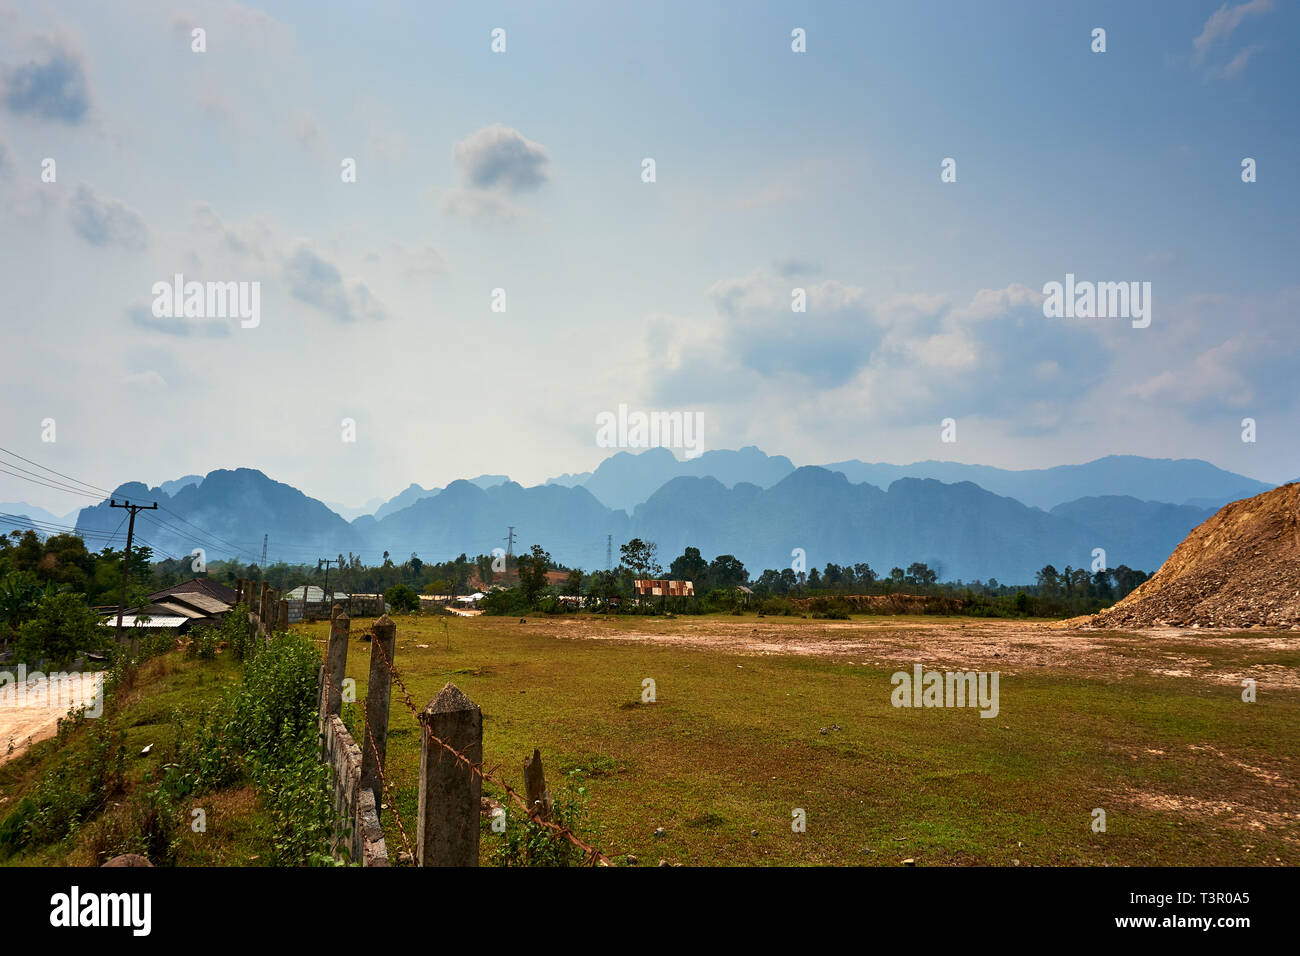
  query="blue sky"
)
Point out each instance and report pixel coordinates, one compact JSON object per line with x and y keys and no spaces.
{"x":522,"y":170}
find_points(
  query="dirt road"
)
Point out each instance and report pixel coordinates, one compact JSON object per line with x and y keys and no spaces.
{"x":30,"y":711}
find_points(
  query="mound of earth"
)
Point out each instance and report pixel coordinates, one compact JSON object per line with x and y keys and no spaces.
{"x":887,"y":603}
{"x":1241,"y":568}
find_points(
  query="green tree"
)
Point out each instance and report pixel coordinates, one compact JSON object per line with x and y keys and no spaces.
{"x":920,"y":574}
{"x":61,"y":626}
{"x":20,"y":596}
{"x":727,"y":571}
{"x":642,"y":557}
{"x":532,"y":572}
{"x":402,"y":598}
{"x":690,"y":566}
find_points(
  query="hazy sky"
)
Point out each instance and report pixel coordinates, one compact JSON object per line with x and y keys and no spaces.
{"x":522,"y":171}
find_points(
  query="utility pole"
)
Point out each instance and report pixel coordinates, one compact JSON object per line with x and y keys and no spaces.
{"x":265,"y":538}
{"x":609,"y":552}
{"x":510,"y":545}
{"x":325,"y":593}
{"x":126,"y":556}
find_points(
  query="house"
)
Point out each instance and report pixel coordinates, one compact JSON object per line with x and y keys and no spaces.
{"x":178,"y":608}
{"x":648,"y":587}
{"x":314,"y":594}
{"x":213,"y":589}
{"x":154,"y":622}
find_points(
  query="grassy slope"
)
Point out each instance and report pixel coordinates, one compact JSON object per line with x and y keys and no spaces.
{"x":733,"y":745}
{"x":236,"y":827}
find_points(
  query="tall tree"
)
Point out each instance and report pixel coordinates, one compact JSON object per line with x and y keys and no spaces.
{"x":642,"y":557}
{"x":690,"y":566}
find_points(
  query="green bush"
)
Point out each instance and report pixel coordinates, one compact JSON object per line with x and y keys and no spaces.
{"x":203,"y":642}
{"x":61,"y":626}
{"x":527,"y":843}
{"x":402,"y":598}
{"x":508,"y":602}
{"x":835,"y":609}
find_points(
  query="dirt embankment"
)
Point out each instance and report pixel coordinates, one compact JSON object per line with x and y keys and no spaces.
{"x":1241,"y":568}
{"x":888,"y":603}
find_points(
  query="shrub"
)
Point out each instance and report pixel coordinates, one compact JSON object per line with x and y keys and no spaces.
{"x":203,"y":643}
{"x":61,"y":626}
{"x":528,"y":843}
{"x":402,"y":598}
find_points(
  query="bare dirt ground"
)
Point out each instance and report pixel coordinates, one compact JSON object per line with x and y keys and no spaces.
{"x":34,"y":714}
{"x":949,"y":643}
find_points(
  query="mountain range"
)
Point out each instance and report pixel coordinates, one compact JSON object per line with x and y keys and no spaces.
{"x":755,"y":506}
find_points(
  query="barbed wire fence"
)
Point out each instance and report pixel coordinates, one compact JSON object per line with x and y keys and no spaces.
{"x":448,"y":828}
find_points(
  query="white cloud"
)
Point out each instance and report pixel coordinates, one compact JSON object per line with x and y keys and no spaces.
{"x":1225,"y":20}
{"x":501,"y":158}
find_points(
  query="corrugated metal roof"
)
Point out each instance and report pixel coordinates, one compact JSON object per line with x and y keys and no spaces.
{"x":168,"y":607}
{"x":155,"y":621}
{"x":314,"y":594}
{"x":204,"y":585}
{"x":204,"y":602}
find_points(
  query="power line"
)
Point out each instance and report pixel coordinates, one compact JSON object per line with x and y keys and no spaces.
{"x":61,"y":486}
{"x":52,"y":528}
{"x":126,"y":557}
{"x":215,"y":537}
{"x":52,"y":471}
{"x":57,"y":487}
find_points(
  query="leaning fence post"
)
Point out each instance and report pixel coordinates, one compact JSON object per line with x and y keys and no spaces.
{"x":378,"y":688}
{"x":336,"y":658}
{"x":539,"y":798}
{"x":448,"y":824}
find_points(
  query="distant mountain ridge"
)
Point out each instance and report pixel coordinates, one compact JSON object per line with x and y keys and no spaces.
{"x":625,"y":480}
{"x":757,"y":507}
{"x":1177,"y":481}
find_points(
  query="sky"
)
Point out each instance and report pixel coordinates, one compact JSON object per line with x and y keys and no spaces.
{"x":523,"y":170}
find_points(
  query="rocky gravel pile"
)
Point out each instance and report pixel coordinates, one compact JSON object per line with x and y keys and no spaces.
{"x":1239,"y":569}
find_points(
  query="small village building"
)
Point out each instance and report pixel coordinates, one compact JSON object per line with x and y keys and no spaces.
{"x":649,"y":587}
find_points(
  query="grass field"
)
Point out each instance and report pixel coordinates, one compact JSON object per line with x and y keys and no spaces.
{"x":1151,"y":728}
{"x":238,"y":830}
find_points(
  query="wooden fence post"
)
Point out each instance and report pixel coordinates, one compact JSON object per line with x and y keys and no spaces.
{"x":447,"y":828}
{"x":284,"y":615}
{"x":336,"y":658}
{"x":539,"y":798}
{"x":378,"y":689}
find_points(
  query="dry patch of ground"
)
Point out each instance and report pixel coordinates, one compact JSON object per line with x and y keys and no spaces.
{"x":30,"y":712}
{"x":951,"y":643}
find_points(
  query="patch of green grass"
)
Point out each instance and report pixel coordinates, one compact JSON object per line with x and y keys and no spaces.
{"x":237,"y":829}
{"x":741,"y":745}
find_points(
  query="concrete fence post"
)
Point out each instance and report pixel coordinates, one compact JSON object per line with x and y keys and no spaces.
{"x":539,"y":798}
{"x":378,"y":690}
{"x":336,"y":659}
{"x":447,"y":827}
